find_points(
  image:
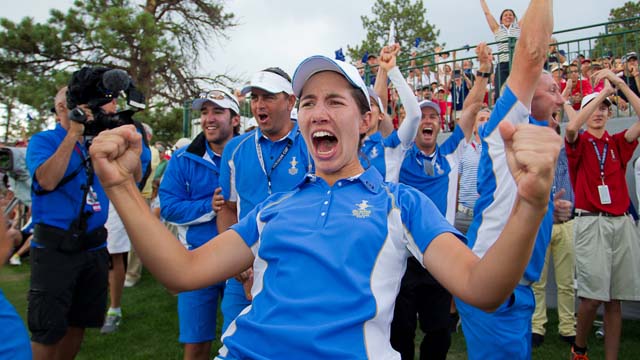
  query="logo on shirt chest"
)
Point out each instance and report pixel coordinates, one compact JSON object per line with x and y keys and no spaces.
{"x":362,"y":210}
{"x":293,"y":170}
{"x":373,"y":153}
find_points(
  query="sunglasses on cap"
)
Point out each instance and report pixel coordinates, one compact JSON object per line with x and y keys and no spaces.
{"x":216,"y":95}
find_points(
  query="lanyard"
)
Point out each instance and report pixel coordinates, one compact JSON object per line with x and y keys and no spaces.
{"x":429,"y":164}
{"x":459,"y":93}
{"x":86,"y":162}
{"x":275,"y":164}
{"x":601,"y":158}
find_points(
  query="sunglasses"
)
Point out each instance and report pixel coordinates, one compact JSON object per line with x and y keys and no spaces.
{"x":216,"y":95}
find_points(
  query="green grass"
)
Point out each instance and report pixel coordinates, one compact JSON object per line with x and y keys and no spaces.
{"x":149,"y":329}
{"x":150,"y":326}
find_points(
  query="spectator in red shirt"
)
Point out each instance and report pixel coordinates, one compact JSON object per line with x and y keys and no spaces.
{"x":579,"y":87}
{"x":597,"y":86}
{"x":440,"y":98}
{"x":607,"y":250}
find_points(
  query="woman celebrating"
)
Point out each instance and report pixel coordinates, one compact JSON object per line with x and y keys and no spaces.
{"x":328,"y":256}
{"x":509,"y":27}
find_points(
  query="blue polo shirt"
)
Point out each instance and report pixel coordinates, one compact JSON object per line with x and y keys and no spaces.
{"x":385,"y":154}
{"x":436,"y":175}
{"x":244,"y":176}
{"x":327,"y":269}
{"x":15,"y":339}
{"x":498,"y":190}
{"x":61,"y":206}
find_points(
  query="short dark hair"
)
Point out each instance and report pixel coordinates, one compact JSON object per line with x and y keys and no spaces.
{"x":278,"y":71}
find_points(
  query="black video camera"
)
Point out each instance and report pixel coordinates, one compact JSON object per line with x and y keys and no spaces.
{"x":97,"y":86}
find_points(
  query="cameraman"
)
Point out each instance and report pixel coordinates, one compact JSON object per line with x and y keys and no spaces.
{"x":69,"y":256}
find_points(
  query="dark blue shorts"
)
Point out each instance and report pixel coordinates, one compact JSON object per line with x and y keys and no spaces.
{"x":503,"y":334}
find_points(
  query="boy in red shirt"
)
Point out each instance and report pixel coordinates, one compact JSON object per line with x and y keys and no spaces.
{"x":606,"y":248}
{"x":579,"y":87}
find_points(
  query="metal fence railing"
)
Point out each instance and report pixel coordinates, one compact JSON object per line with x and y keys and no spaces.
{"x":608,"y":49}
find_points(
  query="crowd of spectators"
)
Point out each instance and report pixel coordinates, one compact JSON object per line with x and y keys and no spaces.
{"x":250,"y":159}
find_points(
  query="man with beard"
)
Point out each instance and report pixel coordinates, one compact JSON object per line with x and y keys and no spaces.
{"x":186,"y":194}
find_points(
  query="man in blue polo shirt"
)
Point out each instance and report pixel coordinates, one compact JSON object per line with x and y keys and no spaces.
{"x":507,"y":331}
{"x":69,"y":265}
{"x":186,"y":194}
{"x":271,"y":159}
{"x":383,"y":149}
{"x":433,"y":169}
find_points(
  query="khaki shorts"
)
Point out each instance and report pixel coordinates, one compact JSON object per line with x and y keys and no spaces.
{"x":607,"y":251}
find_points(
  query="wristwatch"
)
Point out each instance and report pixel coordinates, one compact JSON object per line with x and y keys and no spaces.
{"x":483,"y":74}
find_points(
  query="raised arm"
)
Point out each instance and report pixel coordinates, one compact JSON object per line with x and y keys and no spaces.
{"x":409,"y":127}
{"x":634,"y":131}
{"x":52,"y":171}
{"x":578,"y":119}
{"x":381,"y":89}
{"x":114,"y":154}
{"x":531,"y":153}
{"x":474,"y":100}
{"x":493,"y":24}
{"x":531,"y":50}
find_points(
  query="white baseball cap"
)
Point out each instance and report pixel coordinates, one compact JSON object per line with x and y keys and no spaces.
{"x":269,"y":82}
{"x":219,"y":97}
{"x":430,"y":104}
{"x":182,"y":142}
{"x":317,"y":63}
{"x":375,"y":96}
{"x":587,"y":99}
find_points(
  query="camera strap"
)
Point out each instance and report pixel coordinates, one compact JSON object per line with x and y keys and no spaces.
{"x":64,"y":180}
{"x":80,"y":223}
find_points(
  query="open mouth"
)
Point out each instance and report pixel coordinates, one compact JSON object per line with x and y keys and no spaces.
{"x":427,"y":130}
{"x":324,"y":142}
{"x":212,"y":127}
{"x":263,"y":117}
